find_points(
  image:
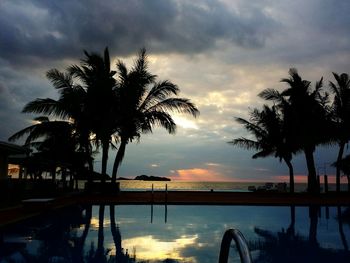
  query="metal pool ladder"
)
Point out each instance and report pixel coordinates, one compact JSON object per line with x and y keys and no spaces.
{"x":241,"y":244}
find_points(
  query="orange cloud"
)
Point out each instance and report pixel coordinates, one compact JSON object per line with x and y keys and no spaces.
{"x":198,"y":174}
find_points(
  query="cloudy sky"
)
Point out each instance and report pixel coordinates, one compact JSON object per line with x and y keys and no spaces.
{"x":220,"y":53}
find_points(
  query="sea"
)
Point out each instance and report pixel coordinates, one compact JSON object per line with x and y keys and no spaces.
{"x":136,"y":185}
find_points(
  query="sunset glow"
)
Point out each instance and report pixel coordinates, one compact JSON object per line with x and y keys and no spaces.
{"x":198,"y":174}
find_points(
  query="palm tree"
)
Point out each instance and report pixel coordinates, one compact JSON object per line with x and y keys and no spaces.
{"x":56,"y":143}
{"x":267,"y":128}
{"x":101,"y":98}
{"x":305,"y":118}
{"x":70,"y":106}
{"x":145,"y":103}
{"x":344,"y":166}
{"x":88,"y":98}
{"x":341,"y":115}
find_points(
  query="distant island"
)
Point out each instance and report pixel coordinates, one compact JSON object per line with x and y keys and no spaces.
{"x":146,"y":178}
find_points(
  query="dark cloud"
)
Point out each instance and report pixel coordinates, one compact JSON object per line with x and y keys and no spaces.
{"x":56,"y":30}
{"x":221,"y":55}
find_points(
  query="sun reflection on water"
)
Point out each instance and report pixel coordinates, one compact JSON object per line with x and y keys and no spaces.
{"x":151,"y":248}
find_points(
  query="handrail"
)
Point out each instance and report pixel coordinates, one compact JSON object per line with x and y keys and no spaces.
{"x":241,"y":244}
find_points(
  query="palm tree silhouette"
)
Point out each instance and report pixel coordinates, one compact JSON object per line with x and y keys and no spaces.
{"x":55,"y":141}
{"x":101,"y":98}
{"x":70,"y":106}
{"x":305,"y":118}
{"x":344,"y":166}
{"x":267,"y":128}
{"x":145,"y":103}
{"x":341,"y":115}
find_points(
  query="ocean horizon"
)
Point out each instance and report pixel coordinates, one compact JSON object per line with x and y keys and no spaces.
{"x":136,"y":185}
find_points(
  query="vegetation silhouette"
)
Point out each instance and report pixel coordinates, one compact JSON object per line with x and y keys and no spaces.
{"x":288,"y":246}
{"x":56,"y":144}
{"x":268,"y":129}
{"x":145,"y":103}
{"x":100,"y":106}
{"x":300,"y":119}
{"x":344,"y":166}
{"x":340,"y":111}
{"x":105,"y":107}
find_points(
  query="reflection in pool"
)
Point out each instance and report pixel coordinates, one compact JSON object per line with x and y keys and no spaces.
{"x":178,"y":234}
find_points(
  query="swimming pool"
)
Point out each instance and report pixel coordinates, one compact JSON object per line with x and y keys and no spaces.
{"x":145,"y":233}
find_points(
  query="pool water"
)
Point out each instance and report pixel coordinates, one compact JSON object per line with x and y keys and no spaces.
{"x":145,"y":233}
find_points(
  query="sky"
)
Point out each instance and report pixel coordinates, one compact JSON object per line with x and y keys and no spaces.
{"x":221,"y":54}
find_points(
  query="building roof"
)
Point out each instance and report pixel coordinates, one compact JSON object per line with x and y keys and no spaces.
{"x":11,"y":148}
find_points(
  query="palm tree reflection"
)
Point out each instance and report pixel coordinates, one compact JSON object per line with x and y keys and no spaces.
{"x":288,"y":246}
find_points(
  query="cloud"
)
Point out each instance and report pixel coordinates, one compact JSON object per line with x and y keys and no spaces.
{"x":198,"y":174}
{"x":63,"y":29}
{"x":220,"y":53}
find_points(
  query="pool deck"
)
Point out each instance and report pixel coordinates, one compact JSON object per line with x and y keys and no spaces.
{"x":33,"y":207}
{"x":219,"y":198}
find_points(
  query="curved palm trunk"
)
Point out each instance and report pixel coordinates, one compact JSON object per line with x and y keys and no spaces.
{"x":291,"y":174}
{"x":340,"y":156}
{"x":81,"y":241}
{"x":312,"y":177}
{"x":119,"y":158}
{"x":116,"y":234}
{"x":105,"y":148}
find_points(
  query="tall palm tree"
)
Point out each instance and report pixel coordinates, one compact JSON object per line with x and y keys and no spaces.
{"x":267,"y":128}
{"x":306,"y":118}
{"x":101,"y":98}
{"x":341,"y":115}
{"x":145,"y":103}
{"x":88,"y":98}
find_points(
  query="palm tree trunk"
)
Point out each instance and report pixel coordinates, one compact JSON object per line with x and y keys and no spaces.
{"x":313,"y":215}
{"x":118,"y":158}
{"x":341,"y":230}
{"x":291,"y":175}
{"x":100,"y":239}
{"x":81,"y":241}
{"x":115,"y":234}
{"x":340,"y":156}
{"x":291,"y":228}
{"x":105,"y":148}
{"x":312,"y":177}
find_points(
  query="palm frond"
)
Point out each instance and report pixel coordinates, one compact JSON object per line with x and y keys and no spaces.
{"x":158,"y":118}
{"x":59,"y":80}
{"x":21,"y":133}
{"x":246,"y":143}
{"x":46,"y":106}
{"x":271,"y":94}
{"x":263,"y":153}
{"x":254,"y":129}
{"x":160,"y":91}
{"x":179,"y":105}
